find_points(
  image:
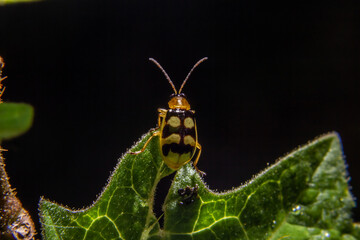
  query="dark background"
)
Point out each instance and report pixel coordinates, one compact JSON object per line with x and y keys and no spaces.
{"x":278,"y":75}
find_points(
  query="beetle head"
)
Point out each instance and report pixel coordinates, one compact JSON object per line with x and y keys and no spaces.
{"x":178,"y":101}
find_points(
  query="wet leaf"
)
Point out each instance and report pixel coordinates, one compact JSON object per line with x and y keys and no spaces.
{"x":303,"y":196}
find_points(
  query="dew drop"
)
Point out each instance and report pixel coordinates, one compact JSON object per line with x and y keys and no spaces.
{"x":297,"y":209}
{"x":273,"y":224}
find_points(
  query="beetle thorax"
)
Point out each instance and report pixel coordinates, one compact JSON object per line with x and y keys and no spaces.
{"x":179,"y":102}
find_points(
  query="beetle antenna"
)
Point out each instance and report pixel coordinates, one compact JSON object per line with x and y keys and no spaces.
{"x":187,"y":77}
{"x":167,"y":76}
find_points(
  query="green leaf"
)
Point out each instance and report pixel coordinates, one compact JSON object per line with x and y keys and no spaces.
{"x":15,"y":119}
{"x":123,"y":210}
{"x":303,"y":196}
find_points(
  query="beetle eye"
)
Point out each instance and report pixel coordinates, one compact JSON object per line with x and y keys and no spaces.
{"x":172,"y":95}
{"x":182,"y":95}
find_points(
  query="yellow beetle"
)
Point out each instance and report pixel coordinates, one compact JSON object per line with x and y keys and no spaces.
{"x":177,"y":128}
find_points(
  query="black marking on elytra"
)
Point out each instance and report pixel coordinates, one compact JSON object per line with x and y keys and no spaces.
{"x":167,"y":130}
{"x":177,"y":148}
{"x":180,"y":113}
{"x":181,"y":130}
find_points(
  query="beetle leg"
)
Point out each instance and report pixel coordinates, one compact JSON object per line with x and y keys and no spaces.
{"x":198,"y":146}
{"x":162,"y":111}
{"x":162,"y":114}
{"x":156,"y":133}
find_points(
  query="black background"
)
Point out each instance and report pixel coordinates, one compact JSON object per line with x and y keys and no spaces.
{"x":278,"y":75}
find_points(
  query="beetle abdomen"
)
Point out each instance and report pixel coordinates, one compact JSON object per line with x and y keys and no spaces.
{"x":178,"y":137}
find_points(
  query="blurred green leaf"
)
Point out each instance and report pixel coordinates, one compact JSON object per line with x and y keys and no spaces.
{"x":303,"y":196}
{"x":3,"y":2}
{"x":15,"y":119}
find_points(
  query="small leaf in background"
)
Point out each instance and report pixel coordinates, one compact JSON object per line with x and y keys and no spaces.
{"x":303,"y":196}
{"x":15,"y":119}
{"x":3,"y":2}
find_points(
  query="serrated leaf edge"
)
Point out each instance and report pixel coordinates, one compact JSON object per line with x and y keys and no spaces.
{"x":332,"y":135}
